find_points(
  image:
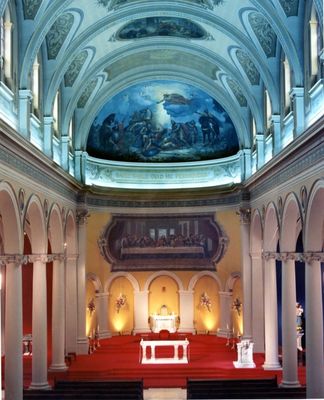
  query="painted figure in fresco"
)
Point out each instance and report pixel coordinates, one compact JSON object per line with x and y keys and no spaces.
{"x":174,"y":98}
{"x":209,"y":128}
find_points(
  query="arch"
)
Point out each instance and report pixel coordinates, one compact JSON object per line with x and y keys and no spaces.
{"x":12,"y":227}
{"x":200,"y":274}
{"x":161,"y":273}
{"x":35,"y":226}
{"x":291,"y":223}
{"x":95,"y":280}
{"x":229,"y":285}
{"x":271,"y":228}
{"x":126,"y":275}
{"x":256,"y":233}
{"x":314,"y":220}
{"x":70,"y":233}
{"x":55,"y":225}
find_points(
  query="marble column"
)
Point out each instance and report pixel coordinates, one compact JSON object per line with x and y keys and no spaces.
{"x":289,"y":333}
{"x":82,"y":340}
{"x":39,"y":323}
{"x":141,"y":312}
{"x":25,"y":97}
{"x":13,"y":328}
{"x":65,"y":142}
{"x":48,"y":136}
{"x":275,"y":120}
{"x":260,"y":149}
{"x":186,"y":311}
{"x":102,"y":312}
{"x":58,"y":315}
{"x":245,"y":215}
{"x":226,"y":320}
{"x":71,"y":303}
{"x":314,"y":326}
{"x":257,"y":303}
{"x":270,"y":314}
{"x":297,"y":99}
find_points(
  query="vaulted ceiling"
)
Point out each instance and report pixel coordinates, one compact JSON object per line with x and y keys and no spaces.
{"x":94,"y":49}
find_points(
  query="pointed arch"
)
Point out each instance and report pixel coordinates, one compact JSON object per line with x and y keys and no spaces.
{"x":200,"y":274}
{"x":55,"y":229}
{"x":291,"y":223}
{"x":271,"y":228}
{"x":34,"y":224}
{"x":314,"y":220}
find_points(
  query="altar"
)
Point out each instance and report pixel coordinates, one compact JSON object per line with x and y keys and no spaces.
{"x":159,"y":322}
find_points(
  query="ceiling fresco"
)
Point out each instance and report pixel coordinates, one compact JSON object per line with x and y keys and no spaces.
{"x":161,"y":26}
{"x":162,"y":121}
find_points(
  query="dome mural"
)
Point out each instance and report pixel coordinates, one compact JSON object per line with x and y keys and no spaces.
{"x":162,"y":121}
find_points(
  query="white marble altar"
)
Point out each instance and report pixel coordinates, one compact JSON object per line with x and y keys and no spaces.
{"x":166,"y":360}
{"x":159,"y":322}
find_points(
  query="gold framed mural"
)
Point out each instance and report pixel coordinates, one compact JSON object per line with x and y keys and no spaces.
{"x":170,"y":242}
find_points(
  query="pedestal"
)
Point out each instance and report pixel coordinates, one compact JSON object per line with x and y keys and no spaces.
{"x":244,"y":355}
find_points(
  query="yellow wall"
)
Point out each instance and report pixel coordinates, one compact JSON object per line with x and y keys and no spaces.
{"x":163,"y":291}
{"x":206,"y":320}
{"x":123,"y":321}
{"x":237,"y":319}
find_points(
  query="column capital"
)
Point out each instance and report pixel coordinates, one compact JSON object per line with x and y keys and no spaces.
{"x":225,"y":294}
{"x":256,"y":255}
{"x":185,"y":291}
{"x":296,"y":92}
{"x":72,"y":257}
{"x":286,"y":256}
{"x":56,"y":257}
{"x":269,"y":255}
{"x":44,"y":258}
{"x":310,"y":257}
{"x":17,"y":259}
{"x":245,"y":215}
{"x":82,"y":216}
{"x":25,"y":94}
{"x":102,"y":294}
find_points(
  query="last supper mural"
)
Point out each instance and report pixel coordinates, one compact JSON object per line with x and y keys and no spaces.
{"x":162,"y":121}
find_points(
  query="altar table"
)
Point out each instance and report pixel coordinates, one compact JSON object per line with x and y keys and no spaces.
{"x":160,"y":322}
{"x":166,"y":360}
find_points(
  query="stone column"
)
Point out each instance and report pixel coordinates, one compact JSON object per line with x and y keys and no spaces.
{"x":25,"y":97}
{"x":186,"y":311}
{"x":245,"y":216}
{"x":102,"y":312}
{"x":71,"y":303}
{"x":82,"y":340}
{"x":257,"y":302}
{"x":58,"y":315}
{"x":8,"y":25}
{"x":13,"y":327}
{"x":226,"y":320}
{"x":270,"y":314}
{"x":289,"y":333}
{"x":39,"y":323}
{"x":275,"y":119}
{"x":141,"y":312}
{"x":65,"y":141}
{"x":260,"y":150}
{"x":48,"y":136}
{"x":246,"y":164}
{"x":314,"y":326}
{"x":297,"y":99}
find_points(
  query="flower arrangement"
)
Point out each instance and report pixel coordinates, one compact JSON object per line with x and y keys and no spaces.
{"x":205,"y":301}
{"x":120,"y":301}
{"x":91,"y":305}
{"x":237,"y":304}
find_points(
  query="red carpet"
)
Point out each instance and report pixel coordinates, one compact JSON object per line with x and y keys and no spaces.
{"x":119,"y":358}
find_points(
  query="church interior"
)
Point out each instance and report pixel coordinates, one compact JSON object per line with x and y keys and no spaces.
{"x":161,"y":183}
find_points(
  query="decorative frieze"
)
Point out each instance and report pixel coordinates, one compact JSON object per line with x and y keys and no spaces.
{"x":245,"y":215}
{"x":308,"y":257}
{"x":82,"y":216}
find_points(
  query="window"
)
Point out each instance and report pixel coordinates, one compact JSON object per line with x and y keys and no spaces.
{"x":56,"y":114}
{"x":36,"y":86}
{"x":6,"y":48}
{"x":267,"y":111}
{"x":314,"y":46}
{"x":286,"y":85}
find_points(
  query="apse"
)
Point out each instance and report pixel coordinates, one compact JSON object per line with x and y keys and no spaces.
{"x":162,"y":121}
